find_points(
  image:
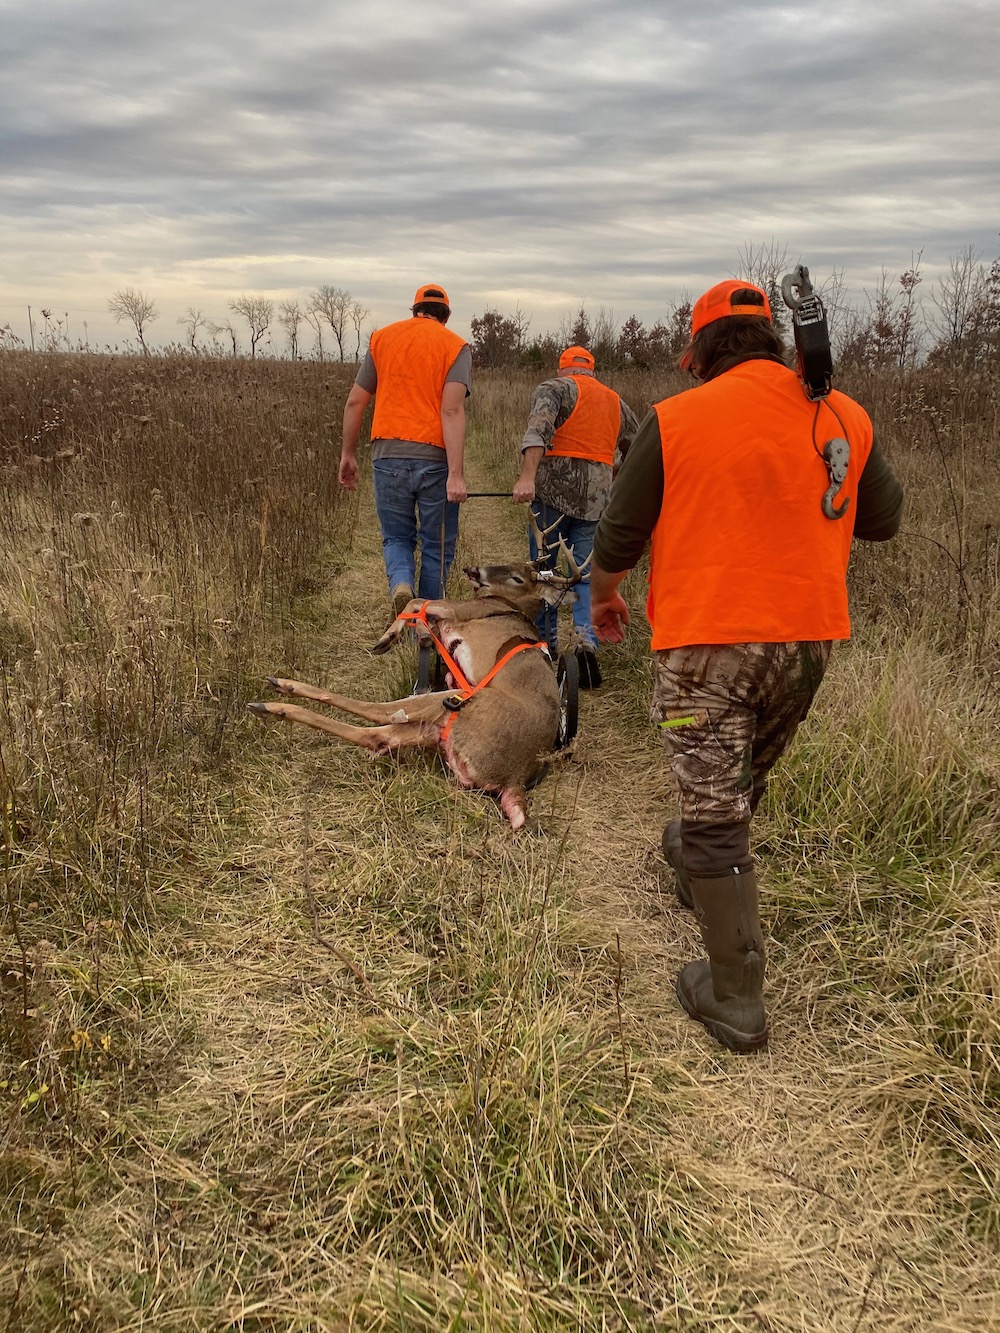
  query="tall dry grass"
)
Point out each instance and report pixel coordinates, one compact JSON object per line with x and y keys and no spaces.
{"x":297,"y":1041}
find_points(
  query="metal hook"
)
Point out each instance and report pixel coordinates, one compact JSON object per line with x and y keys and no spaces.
{"x":796,"y":287}
{"x":836,"y":456}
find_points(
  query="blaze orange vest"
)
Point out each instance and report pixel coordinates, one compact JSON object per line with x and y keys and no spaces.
{"x":742,"y":552}
{"x":591,"y":430}
{"x":412,"y":360}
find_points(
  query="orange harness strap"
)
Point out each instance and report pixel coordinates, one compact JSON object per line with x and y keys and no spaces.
{"x":465,"y":690}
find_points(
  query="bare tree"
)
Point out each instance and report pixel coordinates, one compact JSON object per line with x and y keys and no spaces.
{"x":765,"y":266}
{"x":604,"y":333}
{"x":229,"y":330}
{"x":840,"y":317}
{"x":290,"y":317}
{"x":678,"y":327}
{"x":193,"y":321}
{"x":359,"y":313}
{"x":315,"y":321}
{"x":134,"y":305}
{"x":889,"y":333}
{"x":257,"y":311}
{"x":963,"y":305}
{"x":334,"y":305}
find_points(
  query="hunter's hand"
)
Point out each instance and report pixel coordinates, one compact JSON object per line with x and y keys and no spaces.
{"x":348,"y":473}
{"x":609,"y":618}
{"x":524,"y":490}
{"x":458,"y":491}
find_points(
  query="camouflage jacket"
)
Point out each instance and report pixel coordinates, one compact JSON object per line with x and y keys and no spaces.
{"x":574,"y":486}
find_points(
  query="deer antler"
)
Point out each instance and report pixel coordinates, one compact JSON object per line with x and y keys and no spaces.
{"x":541,"y":534}
{"x":576,"y":572}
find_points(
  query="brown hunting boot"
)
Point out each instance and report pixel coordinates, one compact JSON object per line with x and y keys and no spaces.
{"x":726,"y":992}
{"x":674,"y":858}
{"x":401,"y":594}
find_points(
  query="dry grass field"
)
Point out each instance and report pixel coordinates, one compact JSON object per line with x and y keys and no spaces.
{"x":298,"y":1041}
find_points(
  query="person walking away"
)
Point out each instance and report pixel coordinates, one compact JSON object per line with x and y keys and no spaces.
{"x":419,"y":374}
{"x":747,"y":593}
{"x":577,"y":427}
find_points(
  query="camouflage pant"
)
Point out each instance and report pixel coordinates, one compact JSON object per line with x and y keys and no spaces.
{"x":755,"y":695}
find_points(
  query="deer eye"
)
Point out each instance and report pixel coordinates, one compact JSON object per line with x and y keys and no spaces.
{"x":516,"y":578}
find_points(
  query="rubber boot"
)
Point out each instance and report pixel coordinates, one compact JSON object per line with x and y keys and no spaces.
{"x":589,"y":669}
{"x":726,"y":992}
{"x":674,"y":858}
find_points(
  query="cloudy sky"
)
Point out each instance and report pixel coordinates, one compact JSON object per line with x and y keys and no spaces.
{"x":532,"y":153}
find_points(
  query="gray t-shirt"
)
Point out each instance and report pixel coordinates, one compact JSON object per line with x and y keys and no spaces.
{"x":367,"y":379}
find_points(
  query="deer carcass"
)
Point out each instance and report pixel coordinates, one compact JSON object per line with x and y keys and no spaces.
{"x":496,"y":727}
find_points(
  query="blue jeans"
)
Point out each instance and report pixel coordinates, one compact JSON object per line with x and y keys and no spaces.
{"x":413,"y":509}
{"x":578,"y":534}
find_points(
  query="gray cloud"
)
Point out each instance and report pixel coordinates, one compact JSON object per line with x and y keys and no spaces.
{"x":538,"y":152}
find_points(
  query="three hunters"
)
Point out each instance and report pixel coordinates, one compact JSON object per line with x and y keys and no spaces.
{"x":728,"y":485}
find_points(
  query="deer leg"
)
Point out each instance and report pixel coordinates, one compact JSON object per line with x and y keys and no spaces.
{"x":514,"y":804}
{"x":380,"y":740}
{"x":415,"y":708}
{"x":435,"y":610}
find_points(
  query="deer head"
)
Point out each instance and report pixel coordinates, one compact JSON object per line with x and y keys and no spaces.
{"x":521,"y":583}
{"x":536,"y":580}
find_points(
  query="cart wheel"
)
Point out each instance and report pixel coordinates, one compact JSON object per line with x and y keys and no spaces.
{"x":426,"y":659}
{"x":568,"y":678}
{"x":432,"y":673}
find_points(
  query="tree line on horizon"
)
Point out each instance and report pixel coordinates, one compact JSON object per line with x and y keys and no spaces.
{"x":895,"y":327}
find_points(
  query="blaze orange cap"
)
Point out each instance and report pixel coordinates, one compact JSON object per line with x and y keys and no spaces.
{"x":576,"y":358}
{"x":717,"y":303}
{"x":431,"y":293}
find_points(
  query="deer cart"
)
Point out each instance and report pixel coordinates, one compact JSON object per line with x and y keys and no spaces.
{"x":431,"y":671}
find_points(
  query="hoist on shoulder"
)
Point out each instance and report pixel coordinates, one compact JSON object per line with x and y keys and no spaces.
{"x":815,"y":370}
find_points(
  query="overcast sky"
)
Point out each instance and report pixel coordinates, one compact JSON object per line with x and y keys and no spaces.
{"x":532,"y":153}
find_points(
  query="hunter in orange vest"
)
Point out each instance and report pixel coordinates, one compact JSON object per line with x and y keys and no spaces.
{"x":419,"y":374}
{"x":577,"y":427}
{"x":728,"y":484}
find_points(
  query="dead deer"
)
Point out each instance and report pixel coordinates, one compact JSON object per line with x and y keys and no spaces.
{"x":497,"y":722}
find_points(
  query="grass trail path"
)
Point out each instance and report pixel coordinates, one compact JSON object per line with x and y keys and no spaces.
{"x":432,"y":1076}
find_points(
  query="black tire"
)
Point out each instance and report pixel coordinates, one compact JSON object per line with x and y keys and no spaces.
{"x":568,"y":679}
{"x":432,"y":674}
{"x":426,"y":659}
